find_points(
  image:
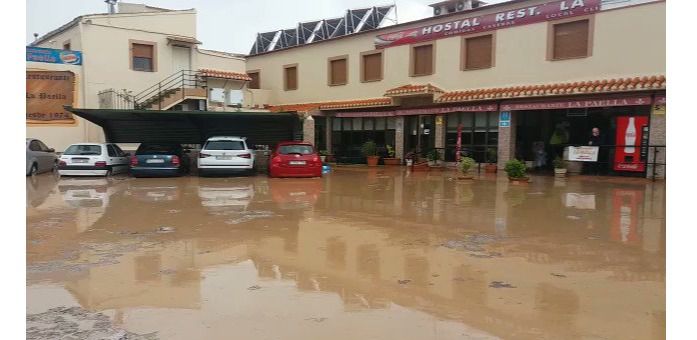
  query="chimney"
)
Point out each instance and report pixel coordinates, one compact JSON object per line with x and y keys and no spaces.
{"x":111,"y":5}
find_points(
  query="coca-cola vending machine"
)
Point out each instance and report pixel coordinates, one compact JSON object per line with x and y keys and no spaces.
{"x":633,"y":137}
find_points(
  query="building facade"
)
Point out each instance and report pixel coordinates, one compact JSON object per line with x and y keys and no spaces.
{"x":520,"y":79}
{"x":138,"y":57}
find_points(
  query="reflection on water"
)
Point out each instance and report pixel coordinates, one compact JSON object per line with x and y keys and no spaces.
{"x":356,"y":254}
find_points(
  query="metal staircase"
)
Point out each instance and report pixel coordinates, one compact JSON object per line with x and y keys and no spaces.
{"x":174,"y":89}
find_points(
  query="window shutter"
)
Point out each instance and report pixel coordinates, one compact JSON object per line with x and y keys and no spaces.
{"x":291,"y":78}
{"x":571,"y":40}
{"x":254,"y":83}
{"x":338,"y":72}
{"x":372,"y":66}
{"x":142,"y":51}
{"x":423,"y":60}
{"x":478,"y":52}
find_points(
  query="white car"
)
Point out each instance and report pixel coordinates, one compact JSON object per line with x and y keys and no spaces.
{"x":93,"y":159}
{"x":225,"y":155}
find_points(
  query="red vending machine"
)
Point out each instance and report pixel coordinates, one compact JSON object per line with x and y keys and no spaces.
{"x":633,"y":136}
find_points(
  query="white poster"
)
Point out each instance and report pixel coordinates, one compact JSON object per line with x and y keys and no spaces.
{"x":583,"y":153}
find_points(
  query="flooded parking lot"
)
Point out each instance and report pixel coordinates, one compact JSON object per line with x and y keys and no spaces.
{"x":359,"y":254}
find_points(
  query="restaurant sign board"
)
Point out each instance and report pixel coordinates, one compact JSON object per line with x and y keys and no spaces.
{"x":492,"y":21}
{"x":47,"y":93}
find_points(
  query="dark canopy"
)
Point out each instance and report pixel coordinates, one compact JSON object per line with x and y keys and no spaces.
{"x":191,"y":127}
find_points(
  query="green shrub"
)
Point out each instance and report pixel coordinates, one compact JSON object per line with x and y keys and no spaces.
{"x":390,"y":151}
{"x":369,"y":148}
{"x":559,"y":163}
{"x":433,"y":155}
{"x":515,"y":168}
{"x":492,"y":156}
{"x":466,"y":164}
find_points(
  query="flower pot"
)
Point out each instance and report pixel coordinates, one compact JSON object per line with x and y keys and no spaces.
{"x":372,"y":160}
{"x":519,"y":180}
{"x":392,"y":161}
{"x":490,"y":168}
{"x":560,"y":172}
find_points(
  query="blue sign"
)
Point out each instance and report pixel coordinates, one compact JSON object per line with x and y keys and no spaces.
{"x":504,"y":124}
{"x":505,"y":116}
{"x":53,"y":56}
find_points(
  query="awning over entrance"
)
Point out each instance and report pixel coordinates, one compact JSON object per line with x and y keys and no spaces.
{"x":191,"y":127}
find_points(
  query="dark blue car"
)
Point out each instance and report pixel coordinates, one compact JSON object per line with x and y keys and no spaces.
{"x":159,"y":160}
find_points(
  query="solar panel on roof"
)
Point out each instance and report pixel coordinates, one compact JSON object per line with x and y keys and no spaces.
{"x":354,"y":21}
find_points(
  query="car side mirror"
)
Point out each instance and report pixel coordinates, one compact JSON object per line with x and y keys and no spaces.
{"x":51,"y":150}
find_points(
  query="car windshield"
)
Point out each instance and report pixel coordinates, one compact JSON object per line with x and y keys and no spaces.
{"x":156,"y":149}
{"x":83,"y":150}
{"x":295,"y":149}
{"x":224,"y":145}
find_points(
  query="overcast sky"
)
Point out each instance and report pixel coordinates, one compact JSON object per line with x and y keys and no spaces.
{"x":224,"y":25}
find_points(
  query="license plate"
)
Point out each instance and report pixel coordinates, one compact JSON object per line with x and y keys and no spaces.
{"x":226,"y":158}
{"x":80,"y":160}
{"x":154,"y":161}
{"x":296,"y":162}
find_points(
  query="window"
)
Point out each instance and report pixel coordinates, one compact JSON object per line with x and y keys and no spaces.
{"x":224,"y":145}
{"x":290,"y":77}
{"x":478,"y":52}
{"x":43,"y":146}
{"x":83,"y":150}
{"x":371,"y":67}
{"x":479,"y":135}
{"x":66,"y":45}
{"x":338,"y":69}
{"x":255,"y":82}
{"x":422,"y":60}
{"x":34,"y":146}
{"x":110,"y":150}
{"x":300,"y":149}
{"x":143,"y":57}
{"x":570,"y":40}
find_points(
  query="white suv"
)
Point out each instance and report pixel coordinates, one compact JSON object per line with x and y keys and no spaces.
{"x":225,"y":155}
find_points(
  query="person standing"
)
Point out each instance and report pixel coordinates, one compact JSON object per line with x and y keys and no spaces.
{"x":596,"y":139}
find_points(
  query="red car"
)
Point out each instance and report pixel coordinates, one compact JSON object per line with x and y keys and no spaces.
{"x":295,"y":159}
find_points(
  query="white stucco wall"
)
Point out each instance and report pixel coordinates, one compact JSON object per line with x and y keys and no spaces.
{"x":628,"y":42}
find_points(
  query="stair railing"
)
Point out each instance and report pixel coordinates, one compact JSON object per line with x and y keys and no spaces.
{"x":155,"y":94}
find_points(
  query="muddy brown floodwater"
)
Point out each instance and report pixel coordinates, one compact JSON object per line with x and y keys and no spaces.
{"x":359,"y":254}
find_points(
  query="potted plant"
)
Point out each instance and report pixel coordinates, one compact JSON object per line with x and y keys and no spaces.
{"x":433,"y":158}
{"x":492,"y":159}
{"x":559,"y":167}
{"x":391,"y":160}
{"x":466,"y":164}
{"x":370,"y":151}
{"x":516,"y":171}
{"x":323,"y":155}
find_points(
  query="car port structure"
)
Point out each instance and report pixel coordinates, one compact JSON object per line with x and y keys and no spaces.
{"x":192,"y":127}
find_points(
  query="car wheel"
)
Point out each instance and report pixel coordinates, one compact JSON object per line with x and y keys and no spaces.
{"x":34,"y":170}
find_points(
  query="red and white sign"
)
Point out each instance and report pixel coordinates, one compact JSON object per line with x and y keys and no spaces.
{"x":488,"y":22}
{"x":630,"y":135}
{"x":573,"y":104}
{"x":424,"y":111}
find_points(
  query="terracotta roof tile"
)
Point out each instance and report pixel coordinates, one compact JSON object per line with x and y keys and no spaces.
{"x":346,"y":104}
{"x":412,"y":90}
{"x":595,"y":86}
{"x":205,"y":72}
